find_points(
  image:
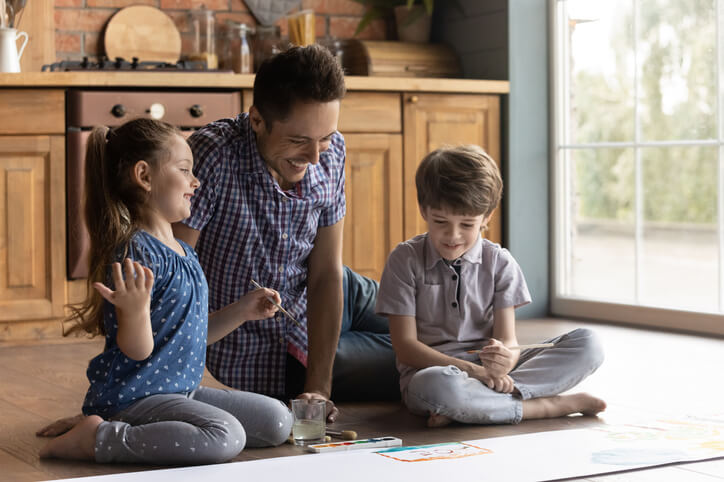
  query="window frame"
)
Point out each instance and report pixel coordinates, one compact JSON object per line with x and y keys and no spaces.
{"x":565,"y":305}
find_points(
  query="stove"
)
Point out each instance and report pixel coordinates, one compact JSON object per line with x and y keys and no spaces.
{"x":120,"y":64}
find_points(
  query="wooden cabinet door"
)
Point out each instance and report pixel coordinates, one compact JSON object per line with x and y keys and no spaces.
{"x":373,"y":190}
{"x":435,"y":120}
{"x":32,"y":227}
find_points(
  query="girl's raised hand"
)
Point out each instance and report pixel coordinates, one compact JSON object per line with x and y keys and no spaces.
{"x":132,"y":294}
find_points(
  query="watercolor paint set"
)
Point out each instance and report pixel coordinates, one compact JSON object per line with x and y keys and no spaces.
{"x":365,"y":443}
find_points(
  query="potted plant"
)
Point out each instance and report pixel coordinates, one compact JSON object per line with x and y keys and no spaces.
{"x":412,"y":17}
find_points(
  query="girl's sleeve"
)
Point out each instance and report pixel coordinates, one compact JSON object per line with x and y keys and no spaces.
{"x":510,"y":286}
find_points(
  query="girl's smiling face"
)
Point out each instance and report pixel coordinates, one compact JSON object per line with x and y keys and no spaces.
{"x":174,"y":183}
{"x":452,"y":235}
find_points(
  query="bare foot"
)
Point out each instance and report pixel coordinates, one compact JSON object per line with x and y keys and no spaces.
{"x":435,"y":421}
{"x":78,"y":443}
{"x":60,"y":426}
{"x":561,"y":405}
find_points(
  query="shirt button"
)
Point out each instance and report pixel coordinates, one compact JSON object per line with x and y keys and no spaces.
{"x":284,"y":236}
{"x":455,"y":277}
{"x":281,"y":341}
{"x":454,"y":304}
{"x":281,"y":269}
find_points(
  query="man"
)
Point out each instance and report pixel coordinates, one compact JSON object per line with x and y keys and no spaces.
{"x":271,"y":209}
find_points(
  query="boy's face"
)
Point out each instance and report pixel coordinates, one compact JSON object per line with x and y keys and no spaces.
{"x":452,"y":234}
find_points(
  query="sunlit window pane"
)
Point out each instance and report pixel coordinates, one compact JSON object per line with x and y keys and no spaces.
{"x":679,"y":255}
{"x":677,"y":69}
{"x":601,"y":67}
{"x":602,"y":225}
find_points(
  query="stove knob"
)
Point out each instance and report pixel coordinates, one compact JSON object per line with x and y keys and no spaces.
{"x":196,"y":110}
{"x":118,"y":110}
{"x":156,"y":111}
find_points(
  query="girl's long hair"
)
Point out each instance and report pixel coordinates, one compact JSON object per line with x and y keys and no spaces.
{"x":114,"y":202}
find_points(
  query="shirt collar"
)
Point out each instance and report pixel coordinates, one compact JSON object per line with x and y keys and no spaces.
{"x":432,"y":257}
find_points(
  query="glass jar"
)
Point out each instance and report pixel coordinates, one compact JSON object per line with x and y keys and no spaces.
{"x":203,"y":24}
{"x":237,"y":52}
{"x":267,"y":42}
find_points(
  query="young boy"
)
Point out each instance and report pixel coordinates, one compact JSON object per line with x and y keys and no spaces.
{"x":450,"y":290}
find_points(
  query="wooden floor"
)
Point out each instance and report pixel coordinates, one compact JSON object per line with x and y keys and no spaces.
{"x":644,"y":369}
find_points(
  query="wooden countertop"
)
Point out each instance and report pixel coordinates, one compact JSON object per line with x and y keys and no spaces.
{"x":211,"y":80}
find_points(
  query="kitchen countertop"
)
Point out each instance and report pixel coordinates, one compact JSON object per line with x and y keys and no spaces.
{"x":215,"y":80}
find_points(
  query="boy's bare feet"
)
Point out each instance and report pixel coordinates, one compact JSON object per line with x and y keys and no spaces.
{"x":78,"y":443}
{"x":561,"y":405}
{"x":436,"y":420}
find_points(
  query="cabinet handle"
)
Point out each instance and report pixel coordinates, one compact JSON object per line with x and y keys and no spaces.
{"x":413,"y":99}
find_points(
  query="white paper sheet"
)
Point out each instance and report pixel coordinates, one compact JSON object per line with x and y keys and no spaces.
{"x":530,"y":457}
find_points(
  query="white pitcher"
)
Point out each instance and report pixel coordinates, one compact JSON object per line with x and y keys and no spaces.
{"x":9,"y":54}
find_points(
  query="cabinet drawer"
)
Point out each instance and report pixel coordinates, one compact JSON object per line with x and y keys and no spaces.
{"x":30,"y":111}
{"x":370,"y":112}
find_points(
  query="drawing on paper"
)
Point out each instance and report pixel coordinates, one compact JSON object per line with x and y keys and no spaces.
{"x":424,"y":453}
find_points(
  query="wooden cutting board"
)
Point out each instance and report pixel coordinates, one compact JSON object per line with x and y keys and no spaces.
{"x":144,"y":32}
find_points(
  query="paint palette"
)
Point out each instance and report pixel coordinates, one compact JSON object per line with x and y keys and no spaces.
{"x":365,"y":443}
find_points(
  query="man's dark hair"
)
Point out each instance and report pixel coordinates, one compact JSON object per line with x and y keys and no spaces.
{"x":299,"y":74}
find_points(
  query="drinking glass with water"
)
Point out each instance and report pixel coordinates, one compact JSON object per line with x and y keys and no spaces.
{"x":309,"y":417}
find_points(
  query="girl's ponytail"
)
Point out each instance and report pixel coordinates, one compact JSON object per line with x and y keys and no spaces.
{"x":114,"y":203}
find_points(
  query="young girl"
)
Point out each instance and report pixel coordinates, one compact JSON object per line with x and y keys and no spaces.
{"x":144,"y":404}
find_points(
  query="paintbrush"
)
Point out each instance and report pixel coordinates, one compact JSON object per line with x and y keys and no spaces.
{"x":257,"y":285}
{"x":521,"y":347}
{"x":343,"y":434}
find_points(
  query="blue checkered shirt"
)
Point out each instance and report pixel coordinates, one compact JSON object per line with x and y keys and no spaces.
{"x":251,"y":229}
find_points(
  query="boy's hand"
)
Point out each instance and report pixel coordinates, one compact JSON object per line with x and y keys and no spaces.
{"x":132,"y":296}
{"x":497,"y":359}
{"x":256,"y":305}
{"x":504,"y":384}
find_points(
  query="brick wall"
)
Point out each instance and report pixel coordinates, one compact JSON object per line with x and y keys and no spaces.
{"x":79,"y":23}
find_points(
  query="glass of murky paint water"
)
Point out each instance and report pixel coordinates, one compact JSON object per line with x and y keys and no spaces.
{"x":309,"y":416}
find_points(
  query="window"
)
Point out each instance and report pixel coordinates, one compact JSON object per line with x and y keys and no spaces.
{"x":637,"y":158}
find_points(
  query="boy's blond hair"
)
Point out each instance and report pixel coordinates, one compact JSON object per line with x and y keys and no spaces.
{"x":463,"y":179}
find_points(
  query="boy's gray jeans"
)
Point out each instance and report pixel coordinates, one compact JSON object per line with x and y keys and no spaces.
{"x":540,"y":372}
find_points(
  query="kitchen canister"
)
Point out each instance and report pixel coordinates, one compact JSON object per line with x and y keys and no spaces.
{"x":9,"y":53}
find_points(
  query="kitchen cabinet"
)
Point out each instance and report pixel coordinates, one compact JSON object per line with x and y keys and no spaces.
{"x":434,"y":120}
{"x":32,"y":208}
{"x":382,"y":206}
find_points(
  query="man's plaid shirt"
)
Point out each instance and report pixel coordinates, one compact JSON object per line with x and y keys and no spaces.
{"x":251,"y":229}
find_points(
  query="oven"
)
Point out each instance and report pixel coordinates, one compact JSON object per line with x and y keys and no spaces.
{"x":87,"y":108}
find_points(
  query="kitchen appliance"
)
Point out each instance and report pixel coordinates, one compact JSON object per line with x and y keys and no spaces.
{"x":104,"y":63}
{"x":9,"y":53}
{"x":87,"y":108}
